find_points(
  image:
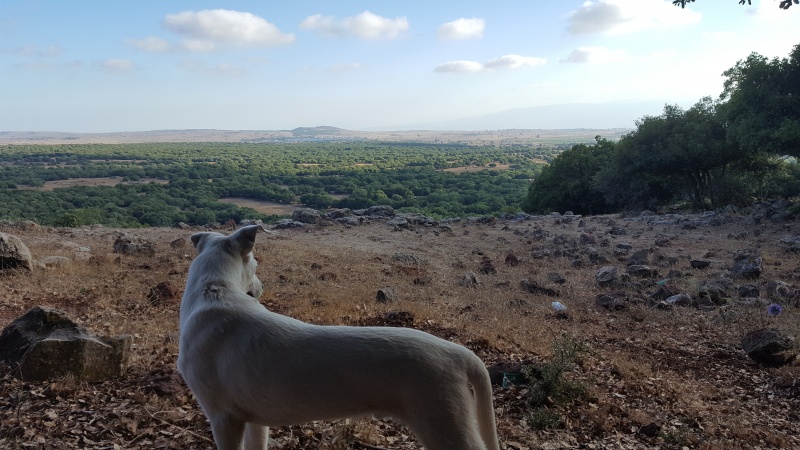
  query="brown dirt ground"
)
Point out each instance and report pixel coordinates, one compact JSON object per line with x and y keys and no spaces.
{"x":678,"y":370}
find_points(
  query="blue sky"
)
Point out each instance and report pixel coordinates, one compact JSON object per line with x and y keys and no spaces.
{"x":101,"y":66}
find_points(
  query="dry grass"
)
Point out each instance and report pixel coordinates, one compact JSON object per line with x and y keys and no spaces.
{"x":680,"y":369}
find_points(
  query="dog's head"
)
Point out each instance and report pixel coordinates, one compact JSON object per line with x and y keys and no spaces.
{"x":234,"y":250}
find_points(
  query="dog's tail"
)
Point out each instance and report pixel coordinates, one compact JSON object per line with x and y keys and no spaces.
{"x":482,"y":388}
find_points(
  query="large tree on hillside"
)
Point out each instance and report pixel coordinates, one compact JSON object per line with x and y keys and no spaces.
{"x":678,"y":154}
{"x":762,"y":103}
{"x":566,"y":183}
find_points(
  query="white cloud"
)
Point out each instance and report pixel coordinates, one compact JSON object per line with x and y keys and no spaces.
{"x":50,"y":66}
{"x":363,"y":26}
{"x":461,"y":29}
{"x":509,"y":62}
{"x":117,"y":66}
{"x":203,"y":68}
{"x":514,"y":62}
{"x":34,"y":50}
{"x":595,"y":55}
{"x":615,"y":17}
{"x":209,"y":29}
{"x":152,"y":44}
{"x":459,"y":67}
{"x":198,"y":45}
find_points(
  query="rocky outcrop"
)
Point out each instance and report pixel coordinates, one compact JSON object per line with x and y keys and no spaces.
{"x":769,"y":347}
{"x":44,"y":343}
{"x":130,"y":244}
{"x":14,"y":254}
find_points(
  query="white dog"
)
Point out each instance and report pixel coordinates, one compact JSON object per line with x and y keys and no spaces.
{"x":251,"y":368}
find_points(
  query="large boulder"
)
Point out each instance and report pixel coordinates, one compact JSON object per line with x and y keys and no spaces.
{"x":748,"y":267}
{"x":606,"y":276}
{"x":307,"y":215}
{"x":130,"y":244}
{"x":14,"y":254}
{"x":44,"y":343}
{"x":769,"y":347}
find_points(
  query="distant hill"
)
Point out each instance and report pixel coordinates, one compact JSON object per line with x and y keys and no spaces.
{"x":317,"y":131}
{"x":550,"y":117}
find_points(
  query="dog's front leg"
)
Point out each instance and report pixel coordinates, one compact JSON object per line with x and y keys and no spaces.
{"x":256,"y":437}
{"x":228,"y":431}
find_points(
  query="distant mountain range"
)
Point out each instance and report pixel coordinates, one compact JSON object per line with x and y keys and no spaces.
{"x":563,"y":116}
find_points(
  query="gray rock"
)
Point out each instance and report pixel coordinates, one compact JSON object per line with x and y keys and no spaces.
{"x":612,"y":301}
{"x":179,"y":243}
{"x":386,"y":295}
{"x":288,"y":223}
{"x":748,"y":268}
{"x":682,"y":299}
{"x":407,"y":259}
{"x":129,"y":244}
{"x":617,"y":231}
{"x":748,"y":291}
{"x":606,"y":276}
{"x":307,"y":215}
{"x":54,"y":261}
{"x":769,"y":347}
{"x":417,"y":219}
{"x":665,"y":291}
{"x":340,"y":213}
{"x":639,"y":258}
{"x":469,"y":280}
{"x":14,"y":254}
{"x":790,"y":243}
{"x":398,"y":222}
{"x":642,"y":271}
{"x":44,"y":343}
{"x":700,"y":263}
{"x":377,"y":210}
{"x":717,"y":290}
{"x":348,"y":221}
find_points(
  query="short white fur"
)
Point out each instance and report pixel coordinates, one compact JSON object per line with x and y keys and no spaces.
{"x":250,"y":368}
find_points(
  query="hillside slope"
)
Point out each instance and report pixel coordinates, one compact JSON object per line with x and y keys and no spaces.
{"x":656,"y":376}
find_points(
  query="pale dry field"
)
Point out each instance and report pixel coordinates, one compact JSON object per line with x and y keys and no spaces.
{"x":102,"y":181}
{"x":262,"y":206}
{"x":679,"y":368}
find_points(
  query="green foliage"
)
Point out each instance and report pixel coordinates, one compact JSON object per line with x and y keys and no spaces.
{"x":567,"y":183}
{"x":679,"y":155}
{"x":762,"y":103}
{"x":192,"y":178}
{"x":549,"y":388}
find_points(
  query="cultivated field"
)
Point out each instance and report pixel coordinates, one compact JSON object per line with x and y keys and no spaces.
{"x":654,"y":377}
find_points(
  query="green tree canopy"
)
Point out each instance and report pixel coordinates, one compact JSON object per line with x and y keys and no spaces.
{"x":762,"y":103}
{"x":566,"y":184}
{"x":675,"y":155}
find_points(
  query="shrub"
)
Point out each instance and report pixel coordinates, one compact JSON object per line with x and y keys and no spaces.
{"x":548,"y":387}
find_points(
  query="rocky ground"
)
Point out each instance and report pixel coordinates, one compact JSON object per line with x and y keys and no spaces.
{"x":655,"y":307}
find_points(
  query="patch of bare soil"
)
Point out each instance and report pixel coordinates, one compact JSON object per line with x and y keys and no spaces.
{"x":102,"y":181}
{"x":262,"y":206}
{"x":656,"y":376}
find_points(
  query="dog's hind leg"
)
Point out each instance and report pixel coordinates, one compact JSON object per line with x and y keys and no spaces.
{"x":256,"y":437}
{"x":447,"y":429}
{"x":228,"y":431}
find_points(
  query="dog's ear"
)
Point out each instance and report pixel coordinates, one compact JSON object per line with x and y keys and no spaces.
{"x":245,"y":238}
{"x":199,"y":240}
